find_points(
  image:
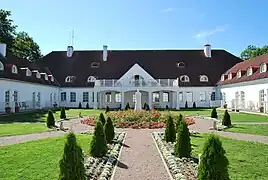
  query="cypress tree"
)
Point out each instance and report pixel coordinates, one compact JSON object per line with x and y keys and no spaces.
{"x":127,"y":107}
{"x":167,"y":108}
{"x":147,"y":108}
{"x":109,"y":130}
{"x":194,"y":105}
{"x":72,"y":162}
{"x":214,"y":113}
{"x":98,"y":145}
{"x":50,"y":119}
{"x":186,"y":105}
{"x":62,"y":113}
{"x":80,"y":106}
{"x":214,"y":164}
{"x":107,"y":109}
{"x":226,"y":121}
{"x":102,"y":119}
{"x":179,"y":120}
{"x":170,"y":132}
{"x":87,"y":106}
{"x":182,"y":147}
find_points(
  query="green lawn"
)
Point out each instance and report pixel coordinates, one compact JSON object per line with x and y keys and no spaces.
{"x":257,"y":129}
{"x":247,"y":159}
{"x":35,"y":159}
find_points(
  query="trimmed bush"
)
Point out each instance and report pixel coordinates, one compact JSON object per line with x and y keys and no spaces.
{"x":167,"y":108}
{"x":214,"y":164}
{"x":87,"y":106}
{"x":214,"y":113}
{"x":194,"y":105}
{"x":107,"y":109}
{"x":147,"y":107}
{"x":170,"y":132}
{"x":182,"y":146}
{"x":109,"y":130}
{"x":50,"y":119}
{"x":144,"y":106}
{"x":72,"y":162}
{"x":186,"y":105}
{"x":80,"y":106}
{"x":98,"y":145}
{"x":179,"y":120}
{"x":62,"y":113}
{"x":127,"y":107}
{"x":102,"y":119}
{"x":226,"y":121}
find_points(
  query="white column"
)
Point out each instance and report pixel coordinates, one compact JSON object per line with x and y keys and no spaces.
{"x":161,"y":99}
{"x":150,"y":99}
{"x":178,"y":101}
{"x":101,"y":100}
{"x":122,"y":100}
{"x":95,"y":103}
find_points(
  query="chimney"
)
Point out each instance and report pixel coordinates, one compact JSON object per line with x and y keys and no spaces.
{"x":207,"y":50}
{"x":70,"y":51}
{"x":3,"y":49}
{"x":105,"y":53}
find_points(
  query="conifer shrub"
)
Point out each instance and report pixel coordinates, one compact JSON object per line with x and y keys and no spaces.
{"x":80,"y":106}
{"x":102,"y":119}
{"x":127,"y":107}
{"x":50,"y":119}
{"x":186,"y":105}
{"x":147,"y":108}
{"x":213,"y":162}
{"x":194,"y":105}
{"x":144,"y":106}
{"x":109,"y":130}
{"x":87,"y":106}
{"x":107,"y":109}
{"x":98,"y":144}
{"x":170,"y":132}
{"x":226,"y":121}
{"x":167,"y":108}
{"x":62,"y":113}
{"x":72,"y":162}
{"x":182,"y":146}
{"x":179,"y":120}
{"x":214,"y":113}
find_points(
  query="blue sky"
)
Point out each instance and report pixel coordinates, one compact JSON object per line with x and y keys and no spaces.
{"x":142,"y":24}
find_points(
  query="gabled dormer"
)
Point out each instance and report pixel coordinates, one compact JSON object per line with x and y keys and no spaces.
{"x":263,"y":68}
{"x":224,"y":77}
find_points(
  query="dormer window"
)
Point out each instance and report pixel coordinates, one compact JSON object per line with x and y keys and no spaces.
{"x":95,"y":65}
{"x":249,"y":71}
{"x":222,"y":77}
{"x":28,"y":72}
{"x":51,"y":78}
{"x":230,"y":76}
{"x":263,"y":68}
{"x":184,"y":78}
{"x":1,"y":66}
{"x":46,"y":78}
{"x":69,"y":78}
{"x":238,"y":74}
{"x":91,"y":79}
{"x":180,"y":65}
{"x":14,"y":69}
{"x":203,"y":78}
{"x":38,"y":75}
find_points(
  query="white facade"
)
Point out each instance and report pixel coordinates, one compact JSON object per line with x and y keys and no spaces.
{"x":248,"y":96}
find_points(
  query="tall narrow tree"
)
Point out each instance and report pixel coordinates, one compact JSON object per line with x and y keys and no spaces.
{"x":182,"y":147}
{"x":170,"y":132}
{"x":109,"y":130}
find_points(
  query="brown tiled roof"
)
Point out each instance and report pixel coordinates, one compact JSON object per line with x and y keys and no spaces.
{"x":160,"y":64}
{"x":243,"y":66}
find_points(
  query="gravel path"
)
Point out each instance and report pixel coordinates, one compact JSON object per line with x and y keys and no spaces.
{"x":140,"y":159}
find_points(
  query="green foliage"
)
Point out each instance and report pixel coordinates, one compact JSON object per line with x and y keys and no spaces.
{"x":147,"y":108}
{"x":127,"y":107}
{"x":170,"y":132}
{"x":50,"y":119}
{"x":226,"y":121}
{"x":102,"y":119}
{"x":109,"y":130}
{"x":144,"y":106}
{"x":253,"y":51}
{"x":186,"y":105}
{"x":167,"y":108}
{"x":179,"y":120}
{"x":107,"y":109}
{"x":62,"y":113}
{"x":182,"y":146}
{"x":80,"y":106}
{"x":214,"y":113}
{"x":98,"y":145}
{"x":72,"y":162}
{"x":214,"y":164}
{"x":87,"y":106}
{"x":194,"y":105}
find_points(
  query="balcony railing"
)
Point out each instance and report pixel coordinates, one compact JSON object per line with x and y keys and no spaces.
{"x":136,"y":83}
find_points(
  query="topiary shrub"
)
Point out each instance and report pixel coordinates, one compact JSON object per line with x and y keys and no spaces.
{"x":62,"y":113}
{"x":194,"y":105}
{"x":214,"y":113}
{"x":98,"y":144}
{"x":144,"y":106}
{"x":213,"y":162}
{"x":127,"y":107}
{"x":109,"y":130}
{"x":170,"y":132}
{"x":186,"y":105}
{"x":50,"y":119}
{"x":102,"y":119}
{"x":147,"y":107}
{"x":107,"y":109}
{"x":87,"y":106}
{"x":80,"y":106}
{"x":167,"y":108}
{"x":182,"y":146}
{"x":179,"y":120}
{"x":72,"y":162}
{"x":226,"y":121}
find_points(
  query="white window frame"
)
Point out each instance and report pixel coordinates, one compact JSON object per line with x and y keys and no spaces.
{"x":91,"y":79}
{"x":7,"y":97}
{"x":203,"y":78}
{"x":28,"y":72}
{"x":14,"y":69}
{"x":69,"y":79}
{"x":63,"y":96}
{"x":15,"y":96}
{"x":184,"y":78}
{"x":249,"y":71}
{"x":134,"y":98}
{"x":230,"y":76}
{"x":189,"y":96}
{"x":108,"y":97}
{"x":165,"y":96}
{"x":181,"y":65}
{"x":2,"y":68}
{"x":156,"y":97}
{"x":213,"y":96}
{"x":85,"y":96}
{"x":72,"y":96}
{"x":202,"y":96}
{"x":222,"y":77}
{"x":238,"y":74}
{"x":263,"y":67}
{"x":38,"y":75}
{"x":118,"y":97}
{"x":180,"y":96}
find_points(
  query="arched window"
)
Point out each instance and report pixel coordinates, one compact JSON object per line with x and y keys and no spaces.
{"x":51,"y":78}
{"x":263,"y":68}
{"x":238,"y":74}
{"x":249,"y":71}
{"x":91,"y":79}
{"x":230,"y":76}
{"x":203,"y":78}
{"x":28,"y":72}
{"x":184,"y":78}
{"x":1,"y":66}
{"x":180,"y":64}
{"x":46,"y":77}
{"x":69,"y":78}
{"x":38,"y":75}
{"x":95,"y":65}
{"x":14,"y":69}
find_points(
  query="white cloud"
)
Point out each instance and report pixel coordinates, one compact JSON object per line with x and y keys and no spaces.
{"x":208,"y":33}
{"x":167,"y":10}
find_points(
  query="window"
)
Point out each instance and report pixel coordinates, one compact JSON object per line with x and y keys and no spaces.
{"x":63,"y":96}
{"x":165,"y":97}
{"x":15,"y":96}
{"x":108,"y":97}
{"x":72,"y":97}
{"x":1,"y":66}
{"x":51,"y":78}
{"x":180,"y":96}
{"x":91,"y":79}
{"x":38,"y":99}
{"x":180,"y":65}
{"x":70,"y":79}
{"x":262,"y":99}
{"x":7,"y":96}
{"x":222,"y":77}
{"x":46,"y":77}
{"x":189,"y":97}
{"x":249,"y":71}
{"x":156,"y":97}
{"x":263,"y":68}
{"x":38,"y":76}
{"x":202,"y":96}
{"x":203,"y":78}
{"x":95,"y":65}
{"x":230,"y":76}
{"x":134,"y":98}
{"x":238,"y":74}
{"x":14,"y":69}
{"x":184,"y":78}
{"x":118,"y":97}
{"x":28,"y":72}
{"x":213,"y":96}
{"x":85,"y":96}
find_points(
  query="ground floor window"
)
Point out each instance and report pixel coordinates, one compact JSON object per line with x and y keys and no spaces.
{"x":7,"y":96}
{"x":63,"y":96}
{"x":213,"y":96}
{"x":262,"y":99}
{"x":180,"y":96}
{"x":165,"y":97}
{"x":85,"y":96}
{"x":72,"y":97}
{"x":15,"y":96}
{"x":202,"y":96}
{"x":189,"y":97}
{"x":156,"y":97}
{"x":118,"y":97}
{"x":108,"y":97}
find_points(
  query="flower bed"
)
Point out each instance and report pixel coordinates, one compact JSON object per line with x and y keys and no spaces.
{"x":180,"y":168}
{"x":101,"y":168}
{"x":136,"y":119}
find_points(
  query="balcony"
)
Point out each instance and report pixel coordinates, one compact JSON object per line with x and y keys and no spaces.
{"x":136,"y":83}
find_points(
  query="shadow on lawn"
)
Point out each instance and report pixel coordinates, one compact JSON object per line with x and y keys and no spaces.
{"x":27,"y":117}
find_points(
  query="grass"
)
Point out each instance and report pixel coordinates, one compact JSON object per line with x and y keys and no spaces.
{"x":247,"y":159}
{"x":35,"y":159}
{"x":256,"y":129}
